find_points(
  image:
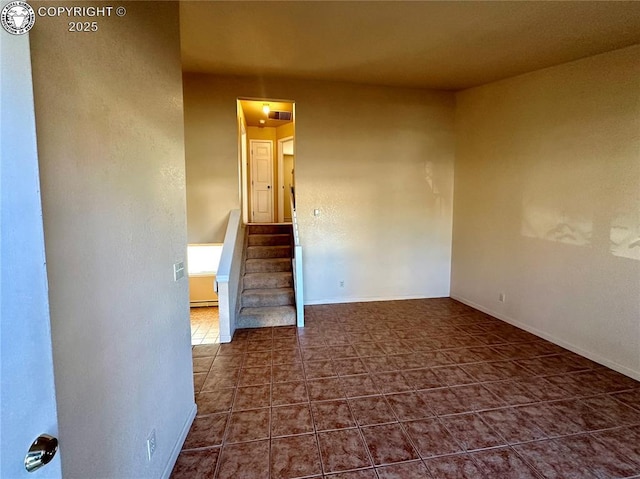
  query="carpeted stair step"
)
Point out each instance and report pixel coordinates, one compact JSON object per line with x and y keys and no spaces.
{"x":269,"y":265}
{"x":266,"y":317}
{"x":256,"y":298}
{"x":269,"y":240}
{"x":282,"y":279}
{"x":254,"y":252}
{"x":268,"y":229}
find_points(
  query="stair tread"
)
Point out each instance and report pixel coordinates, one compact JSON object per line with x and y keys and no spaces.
{"x":268,"y":291}
{"x":261,"y":274}
{"x":275,"y":260}
{"x":269,"y":234}
{"x":267,"y":309}
{"x":275,"y":251}
{"x":269,"y":239}
{"x":265,"y":280}
{"x":267,"y":265}
{"x":253,"y":229}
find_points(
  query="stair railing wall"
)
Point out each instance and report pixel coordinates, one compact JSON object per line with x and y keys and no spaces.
{"x":298,"y":283}
{"x":228,"y":277}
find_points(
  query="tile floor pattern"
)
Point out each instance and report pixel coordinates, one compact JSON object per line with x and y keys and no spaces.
{"x":205,"y":325}
{"x":406,"y":389}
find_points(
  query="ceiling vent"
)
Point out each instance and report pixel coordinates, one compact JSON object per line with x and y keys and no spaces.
{"x":280,"y":115}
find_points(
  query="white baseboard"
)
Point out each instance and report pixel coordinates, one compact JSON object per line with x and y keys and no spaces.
{"x":549,"y":337}
{"x":225,"y":339}
{"x":368,"y":299}
{"x":177,"y":447}
{"x":204,"y":303}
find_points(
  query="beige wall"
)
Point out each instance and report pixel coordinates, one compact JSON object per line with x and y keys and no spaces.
{"x":109,"y":121}
{"x":212,"y":170}
{"x":256,"y":133}
{"x":547,"y":195}
{"x":377,"y":162}
{"x":285,"y":130}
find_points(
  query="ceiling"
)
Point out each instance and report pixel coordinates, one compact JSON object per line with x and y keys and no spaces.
{"x":445,"y":45}
{"x":253,"y":112}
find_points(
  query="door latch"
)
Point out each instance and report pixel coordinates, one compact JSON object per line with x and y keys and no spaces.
{"x":41,"y":452}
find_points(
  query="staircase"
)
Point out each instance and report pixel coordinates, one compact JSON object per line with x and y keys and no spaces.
{"x":267,"y":297}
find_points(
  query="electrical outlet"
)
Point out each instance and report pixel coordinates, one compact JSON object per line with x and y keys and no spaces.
{"x":151,"y":444}
{"x":342,"y":283}
{"x":502,"y":297}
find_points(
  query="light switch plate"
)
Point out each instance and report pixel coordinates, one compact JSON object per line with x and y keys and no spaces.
{"x":178,"y":271}
{"x":151,"y":444}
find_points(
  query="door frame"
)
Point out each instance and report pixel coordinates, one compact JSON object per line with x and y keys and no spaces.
{"x":245,"y":198}
{"x":281,"y":194}
{"x":251,"y":193}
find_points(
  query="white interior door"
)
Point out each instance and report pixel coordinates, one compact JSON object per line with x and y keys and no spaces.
{"x":261,"y":181}
{"x":28,"y":392}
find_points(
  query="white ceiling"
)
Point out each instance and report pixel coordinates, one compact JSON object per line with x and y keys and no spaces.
{"x":445,"y":45}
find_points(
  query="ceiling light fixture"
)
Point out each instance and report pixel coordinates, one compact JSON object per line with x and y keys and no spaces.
{"x":262,"y":122}
{"x":266,"y":109}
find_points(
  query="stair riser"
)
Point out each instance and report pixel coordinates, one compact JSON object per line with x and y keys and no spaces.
{"x":250,"y":300}
{"x":249,"y":320}
{"x":257,"y":252}
{"x":269,"y":240}
{"x":258,"y":266}
{"x":244,"y":323}
{"x":268,"y":229}
{"x":277,"y":281}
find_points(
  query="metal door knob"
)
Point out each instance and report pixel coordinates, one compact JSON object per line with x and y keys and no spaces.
{"x":41,"y":452}
{"x":269,"y":187}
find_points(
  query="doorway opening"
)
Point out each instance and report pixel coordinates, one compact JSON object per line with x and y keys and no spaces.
{"x":266,"y":151}
{"x":202,"y":266}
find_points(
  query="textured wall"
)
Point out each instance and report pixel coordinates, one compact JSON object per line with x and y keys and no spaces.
{"x":109,"y":119}
{"x":211,"y":148}
{"x":547,"y":195}
{"x":377,"y":162}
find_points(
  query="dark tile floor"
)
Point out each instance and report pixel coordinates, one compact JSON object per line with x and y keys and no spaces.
{"x":406,"y":389}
